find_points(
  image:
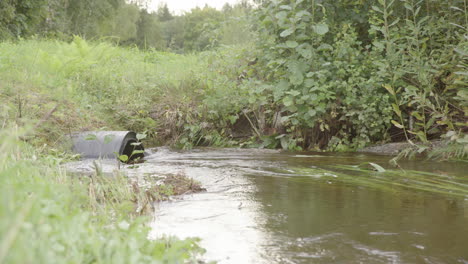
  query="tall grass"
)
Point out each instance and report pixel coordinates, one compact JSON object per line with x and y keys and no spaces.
{"x":47,"y":216}
{"x":98,"y":85}
{"x":50,"y":89}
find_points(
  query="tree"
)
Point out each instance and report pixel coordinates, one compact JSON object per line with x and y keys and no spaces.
{"x":202,"y":28}
{"x":125,"y":27}
{"x":21,"y":18}
{"x":149,"y":31}
{"x":163,"y":13}
{"x":173,"y":32}
{"x":227,"y":8}
{"x":91,"y":18}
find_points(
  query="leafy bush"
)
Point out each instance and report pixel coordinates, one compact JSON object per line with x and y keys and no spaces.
{"x":327,"y":75}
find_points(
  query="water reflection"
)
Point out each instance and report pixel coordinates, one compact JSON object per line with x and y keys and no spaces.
{"x":225,"y":217}
{"x":230,"y":234}
{"x":346,"y":224}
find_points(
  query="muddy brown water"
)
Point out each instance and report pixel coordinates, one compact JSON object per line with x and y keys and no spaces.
{"x":258,"y":208}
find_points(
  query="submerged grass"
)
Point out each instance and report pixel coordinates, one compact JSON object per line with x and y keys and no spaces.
{"x":389,"y":180}
{"x":47,"y":216}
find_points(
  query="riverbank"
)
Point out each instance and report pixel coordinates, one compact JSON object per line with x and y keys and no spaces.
{"x":454,"y":148}
{"x":50,"y":216}
{"x":178,"y":100}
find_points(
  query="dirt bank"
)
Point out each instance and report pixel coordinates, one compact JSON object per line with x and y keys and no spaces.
{"x":397,"y":147}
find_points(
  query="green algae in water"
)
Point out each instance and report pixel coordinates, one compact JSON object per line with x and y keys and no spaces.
{"x":388,"y":180}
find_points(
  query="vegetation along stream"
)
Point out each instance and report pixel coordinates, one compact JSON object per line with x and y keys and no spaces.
{"x":266,"y":206}
{"x":255,"y":113}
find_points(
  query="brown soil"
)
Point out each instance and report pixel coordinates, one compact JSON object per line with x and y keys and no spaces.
{"x":181,"y":184}
{"x":397,"y":147}
{"x":177,"y":184}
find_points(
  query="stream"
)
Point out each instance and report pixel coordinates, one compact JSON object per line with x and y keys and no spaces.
{"x":268,"y":206}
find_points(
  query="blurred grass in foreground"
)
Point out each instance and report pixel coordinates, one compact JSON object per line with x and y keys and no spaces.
{"x":374,"y":176}
{"x":47,"y":216}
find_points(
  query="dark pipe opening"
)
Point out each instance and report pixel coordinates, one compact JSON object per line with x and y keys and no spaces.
{"x":129,"y":148}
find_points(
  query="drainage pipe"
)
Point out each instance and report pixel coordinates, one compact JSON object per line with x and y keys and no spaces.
{"x":106,"y":144}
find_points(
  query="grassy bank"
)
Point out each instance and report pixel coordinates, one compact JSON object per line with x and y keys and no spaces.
{"x":50,"y":89}
{"x":185,"y":99}
{"x":47,"y":216}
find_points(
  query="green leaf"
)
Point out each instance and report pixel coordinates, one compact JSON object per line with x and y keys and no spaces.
{"x":296,"y":78}
{"x":420,"y":135}
{"x":302,"y":13}
{"x":91,"y":137}
{"x":430,"y":122}
{"x":389,"y":89}
{"x":287,"y":32}
{"x":461,"y":73}
{"x":285,"y":119}
{"x":281,"y":15}
{"x":233,"y":119}
{"x":457,"y":8}
{"x":279,"y":89}
{"x":291,"y":44}
{"x":324,"y":46}
{"x":305,"y":50}
{"x":280,"y":136}
{"x":137,"y":152}
{"x":396,"y":109}
{"x":312,"y":112}
{"x":108,"y":139}
{"x":320,"y":29}
{"x":422,"y":149}
{"x":297,"y":70}
{"x":377,"y":167}
{"x":141,"y":136}
{"x":123,"y":158}
{"x":397,"y":124}
{"x":377,"y":9}
{"x":451,"y":133}
{"x":463,"y":140}
{"x":417,"y":115}
{"x":293,"y":93}
{"x":288,"y":101}
{"x":394,"y":22}
{"x":309,"y":83}
{"x":284,"y":143}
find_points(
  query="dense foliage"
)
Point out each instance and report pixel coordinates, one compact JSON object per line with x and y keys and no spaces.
{"x":343,"y":73}
{"x":307,"y":74}
{"x":126,"y":23}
